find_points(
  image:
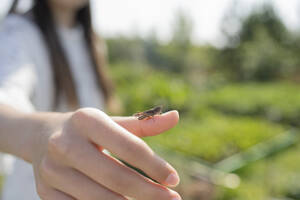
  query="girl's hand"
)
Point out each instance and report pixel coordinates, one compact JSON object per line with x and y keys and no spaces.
{"x":68,"y":164}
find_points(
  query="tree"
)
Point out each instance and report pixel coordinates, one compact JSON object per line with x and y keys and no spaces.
{"x":182,"y":29}
{"x":260,"y":49}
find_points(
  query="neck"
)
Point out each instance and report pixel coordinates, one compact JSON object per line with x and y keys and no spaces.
{"x":64,"y":17}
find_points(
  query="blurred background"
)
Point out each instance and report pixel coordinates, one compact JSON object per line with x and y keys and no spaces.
{"x":232,"y":69}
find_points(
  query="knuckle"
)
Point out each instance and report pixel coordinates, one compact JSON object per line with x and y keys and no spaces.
{"x":46,"y":170}
{"x":83,"y":118}
{"x":79,"y":115}
{"x":138,"y":149}
{"x":123,"y":185}
{"x":42,"y":191}
{"x":61,"y":146}
{"x":87,"y":113}
{"x":53,"y":143}
{"x":86,"y":119}
{"x":84,"y":114}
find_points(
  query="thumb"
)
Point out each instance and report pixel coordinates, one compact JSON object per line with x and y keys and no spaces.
{"x":153,"y":126}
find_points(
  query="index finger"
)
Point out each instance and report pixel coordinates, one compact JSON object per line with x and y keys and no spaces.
{"x":154,"y":126}
{"x":104,"y":132}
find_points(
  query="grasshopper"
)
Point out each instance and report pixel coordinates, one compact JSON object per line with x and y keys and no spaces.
{"x":149,"y":113}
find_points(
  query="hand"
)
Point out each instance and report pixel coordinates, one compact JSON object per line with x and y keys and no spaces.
{"x":68,"y":164}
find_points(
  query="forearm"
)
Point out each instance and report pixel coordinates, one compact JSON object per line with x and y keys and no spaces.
{"x":57,"y":143}
{"x":20,"y":132}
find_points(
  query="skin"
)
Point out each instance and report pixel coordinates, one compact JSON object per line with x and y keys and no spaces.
{"x":65,"y":149}
{"x":64,"y":10}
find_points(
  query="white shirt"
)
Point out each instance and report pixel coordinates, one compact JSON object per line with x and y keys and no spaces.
{"x":26,"y":83}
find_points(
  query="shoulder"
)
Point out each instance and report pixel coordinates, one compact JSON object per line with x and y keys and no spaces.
{"x":18,"y":28}
{"x":17,"y":23}
{"x":18,"y":38}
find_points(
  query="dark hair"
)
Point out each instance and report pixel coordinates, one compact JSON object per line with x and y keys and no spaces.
{"x":64,"y":83}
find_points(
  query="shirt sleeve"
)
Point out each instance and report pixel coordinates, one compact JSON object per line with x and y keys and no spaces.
{"x":17,"y":71}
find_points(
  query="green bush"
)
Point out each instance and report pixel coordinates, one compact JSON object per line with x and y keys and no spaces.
{"x":274,"y":177}
{"x":141,"y":87}
{"x":278,"y":102}
{"x":216,"y":136}
{"x":219,"y":122}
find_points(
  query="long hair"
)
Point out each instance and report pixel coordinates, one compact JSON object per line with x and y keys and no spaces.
{"x":63,"y":80}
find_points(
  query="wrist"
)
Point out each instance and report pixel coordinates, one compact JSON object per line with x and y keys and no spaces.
{"x":23,"y":134}
{"x":38,"y":128}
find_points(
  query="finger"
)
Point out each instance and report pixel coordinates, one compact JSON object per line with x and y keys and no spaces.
{"x":47,"y":193}
{"x":79,"y":185}
{"x":119,"y":178}
{"x":57,"y":195}
{"x":154,"y":126}
{"x":103,"y":131}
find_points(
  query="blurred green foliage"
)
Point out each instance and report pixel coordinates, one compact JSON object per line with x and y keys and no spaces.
{"x":143,"y":87}
{"x":276,"y":176}
{"x":262,"y":50}
{"x":216,"y":136}
{"x":229,"y":98}
{"x":278,"y":102}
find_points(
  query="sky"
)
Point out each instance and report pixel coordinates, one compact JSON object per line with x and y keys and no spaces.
{"x":128,"y":17}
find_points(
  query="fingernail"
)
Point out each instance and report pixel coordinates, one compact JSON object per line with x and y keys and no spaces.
{"x":175,"y":195}
{"x":176,"y":198}
{"x":172,"y":180}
